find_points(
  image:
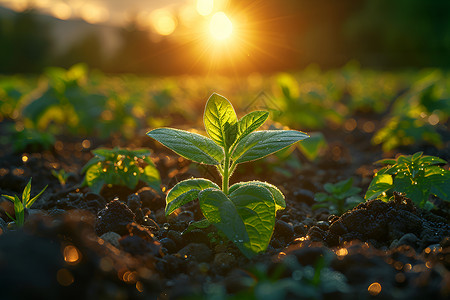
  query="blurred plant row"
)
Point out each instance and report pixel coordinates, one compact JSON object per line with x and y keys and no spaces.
{"x":409,"y":107}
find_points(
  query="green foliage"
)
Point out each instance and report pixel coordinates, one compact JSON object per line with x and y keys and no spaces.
{"x":244,"y":212}
{"x":314,"y":146}
{"x":418,"y":115}
{"x":21,"y":204}
{"x":66,"y":101}
{"x":339,"y":198}
{"x":311,"y":107}
{"x":417,"y":176}
{"x":12,"y":90}
{"x":62,"y":176}
{"x":29,"y":139}
{"x":120,"y":167}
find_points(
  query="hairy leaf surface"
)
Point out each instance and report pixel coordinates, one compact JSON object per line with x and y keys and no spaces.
{"x":220,"y":120}
{"x":186,"y":191}
{"x":250,"y":122}
{"x":190,"y":145}
{"x":259,"y":144}
{"x":276,"y":193}
{"x":220,"y":211}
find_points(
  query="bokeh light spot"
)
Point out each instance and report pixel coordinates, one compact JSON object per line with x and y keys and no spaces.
{"x":94,"y":13}
{"x":374,"y":289}
{"x":205,"y":7}
{"x":64,"y":277}
{"x":71,"y":255}
{"x":61,"y":11}
{"x":164,"y":22}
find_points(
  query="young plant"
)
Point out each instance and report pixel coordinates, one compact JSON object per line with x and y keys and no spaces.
{"x":244,"y":212}
{"x":62,"y":176}
{"x":121,"y":167}
{"x":21,"y":205}
{"x":417,"y":176}
{"x":341,"y":197}
{"x":28,"y":139}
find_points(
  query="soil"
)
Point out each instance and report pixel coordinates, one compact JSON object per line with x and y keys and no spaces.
{"x":119,"y":245}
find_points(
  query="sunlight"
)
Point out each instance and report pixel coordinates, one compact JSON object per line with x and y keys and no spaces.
{"x":164,"y":22}
{"x":205,"y":7}
{"x":220,"y":26}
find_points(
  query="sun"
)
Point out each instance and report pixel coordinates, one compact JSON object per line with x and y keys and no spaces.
{"x":220,"y":26}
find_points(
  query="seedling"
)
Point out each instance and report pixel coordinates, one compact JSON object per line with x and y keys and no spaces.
{"x":341,"y":197}
{"x":121,"y":167}
{"x":417,"y":176}
{"x":244,"y":212}
{"x":21,"y":205}
{"x":29,"y":139}
{"x":62,"y":176}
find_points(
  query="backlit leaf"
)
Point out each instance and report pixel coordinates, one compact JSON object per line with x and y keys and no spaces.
{"x":250,"y":122}
{"x":220,"y":120}
{"x":259,"y":224}
{"x":220,"y":211}
{"x":380,"y":184}
{"x":186,"y":191}
{"x":259,"y":144}
{"x":277,"y":195}
{"x":190,"y":145}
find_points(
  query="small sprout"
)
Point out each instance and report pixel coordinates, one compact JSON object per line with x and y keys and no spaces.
{"x":111,"y":166}
{"x":21,"y":205}
{"x":62,"y":176}
{"x":245,"y":211}
{"x":417,"y":176}
{"x":339,"y":198}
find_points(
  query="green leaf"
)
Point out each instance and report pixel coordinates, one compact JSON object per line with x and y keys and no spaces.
{"x":37,"y":108}
{"x":10,"y":216}
{"x":19,"y":211}
{"x":202,"y":224}
{"x":439,"y":181}
{"x":276,"y":193}
{"x":94,"y":178}
{"x":259,"y":144}
{"x":220,"y":120}
{"x":259,"y":224}
{"x":151,"y":177}
{"x":250,"y":122}
{"x":418,"y":191}
{"x":129,"y":178}
{"x":416,"y":156}
{"x":220,"y":211}
{"x":432,"y":160}
{"x":186,"y":191}
{"x":312,"y":146}
{"x":380,"y":184}
{"x":26,"y":193}
{"x":32,"y":200}
{"x":385,"y":162}
{"x":93,"y":161}
{"x":10,"y":198}
{"x":321,"y":197}
{"x":189,"y":145}
{"x":246,"y":216}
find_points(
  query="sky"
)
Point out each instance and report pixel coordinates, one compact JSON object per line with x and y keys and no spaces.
{"x":158,"y":16}
{"x":97,"y":11}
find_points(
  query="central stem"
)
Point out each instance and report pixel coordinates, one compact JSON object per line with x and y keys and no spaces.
{"x":226,"y":175}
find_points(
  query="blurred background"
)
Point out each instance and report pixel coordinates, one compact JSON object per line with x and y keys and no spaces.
{"x":173,"y":37}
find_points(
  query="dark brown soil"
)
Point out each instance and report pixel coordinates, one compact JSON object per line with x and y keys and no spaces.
{"x":119,"y":245}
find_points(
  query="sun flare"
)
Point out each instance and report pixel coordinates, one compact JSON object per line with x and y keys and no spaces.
{"x":220,"y":26}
